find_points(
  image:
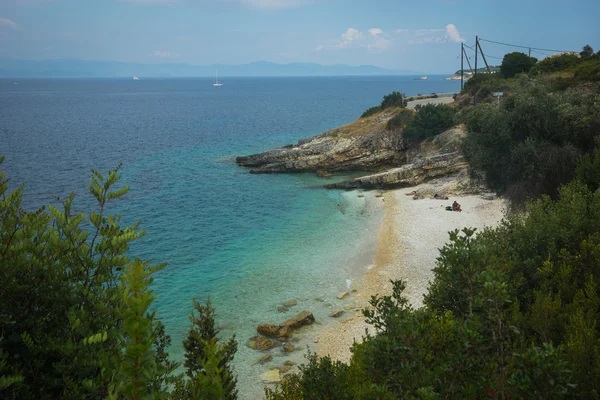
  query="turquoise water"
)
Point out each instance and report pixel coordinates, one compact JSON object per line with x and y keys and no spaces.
{"x":249,"y":241}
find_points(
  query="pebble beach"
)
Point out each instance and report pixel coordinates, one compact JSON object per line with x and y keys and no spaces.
{"x":412,"y":232}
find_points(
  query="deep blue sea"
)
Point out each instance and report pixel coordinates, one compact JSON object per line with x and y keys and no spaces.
{"x":249,"y":241}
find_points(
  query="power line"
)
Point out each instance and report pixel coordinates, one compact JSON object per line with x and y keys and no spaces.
{"x":527,"y":47}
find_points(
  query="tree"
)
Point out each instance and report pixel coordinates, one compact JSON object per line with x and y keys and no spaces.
{"x":587,"y":51}
{"x":202,"y":337}
{"x":430,"y":120}
{"x":76,"y":315}
{"x":516,"y":63}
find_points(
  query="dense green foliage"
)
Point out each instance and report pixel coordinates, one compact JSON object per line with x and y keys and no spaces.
{"x":429,"y":121}
{"x":394,"y":99}
{"x":400,"y":120}
{"x":76,"y":316}
{"x":530,"y":144}
{"x":556,"y":63}
{"x":516,"y":63}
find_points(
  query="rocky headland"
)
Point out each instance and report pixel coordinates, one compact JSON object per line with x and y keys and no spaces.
{"x":379,"y":157}
{"x":362,"y":145}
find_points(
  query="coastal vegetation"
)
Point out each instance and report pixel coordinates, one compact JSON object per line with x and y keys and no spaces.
{"x":529,"y":145}
{"x":394,"y":99}
{"x":76,"y":314}
{"x":429,"y":121}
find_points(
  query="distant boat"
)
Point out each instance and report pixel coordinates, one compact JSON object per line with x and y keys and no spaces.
{"x":217,"y":83}
{"x":135,"y":78}
{"x":15,"y":83}
{"x":423,"y":78}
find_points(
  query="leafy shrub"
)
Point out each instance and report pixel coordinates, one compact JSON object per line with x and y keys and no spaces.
{"x":556,"y":63}
{"x":430,"y":120}
{"x":587,"y":71}
{"x":401,"y":119}
{"x":529,"y":146}
{"x":76,"y":314}
{"x":370,"y":111}
{"x":394,"y":99}
{"x":516,"y":63}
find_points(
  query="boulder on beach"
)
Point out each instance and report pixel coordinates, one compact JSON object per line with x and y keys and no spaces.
{"x":261,"y":343}
{"x":298,"y":320}
{"x":342,"y":295}
{"x":337,"y":314}
{"x":267,"y":329}
{"x":290,"y":303}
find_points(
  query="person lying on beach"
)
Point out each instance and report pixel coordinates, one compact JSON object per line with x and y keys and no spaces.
{"x":411,"y":193}
{"x":456,"y":206}
{"x":440,"y":197}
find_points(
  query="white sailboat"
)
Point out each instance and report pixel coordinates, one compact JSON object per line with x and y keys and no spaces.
{"x":217,"y":83}
{"x":135,"y":78}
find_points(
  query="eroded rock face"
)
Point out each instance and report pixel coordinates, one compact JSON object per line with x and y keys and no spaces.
{"x":442,"y":157}
{"x":435,"y":166}
{"x":298,"y":320}
{"x":364,"y":146}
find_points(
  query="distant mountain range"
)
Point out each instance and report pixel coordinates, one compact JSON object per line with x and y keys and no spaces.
{"x":11,"y":68}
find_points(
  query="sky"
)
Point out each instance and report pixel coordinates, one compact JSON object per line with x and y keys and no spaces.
{"x":422,"y":36}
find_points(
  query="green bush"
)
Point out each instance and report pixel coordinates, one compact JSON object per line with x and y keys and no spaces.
{"x":394,"y":99}
{"x":76,"y":314}
{"x":516,"y":63}
{"x":587,"y":71}
{"x":429,"y":121}
{"x":401,"y":119}
{"x":529,"y":146}
{"x":370,"y":111}
{"x":557,"y":63}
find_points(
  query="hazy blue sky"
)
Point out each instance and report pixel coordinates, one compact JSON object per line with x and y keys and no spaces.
{"x":418,"y":35}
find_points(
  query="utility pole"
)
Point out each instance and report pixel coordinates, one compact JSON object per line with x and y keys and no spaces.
{"x":483,"y":56}
{"x":476,"y":47}
{"x":462,"y":57}
{"x":530,"y":52}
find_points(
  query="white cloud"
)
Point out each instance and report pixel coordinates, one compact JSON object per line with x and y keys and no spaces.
{"x":375,"y":31}
{"x":7,"y":23}
{"x":452,"y":34}
{"x":350,"y":37}
{"x":165,"y":54}
{"x":319,"y":48}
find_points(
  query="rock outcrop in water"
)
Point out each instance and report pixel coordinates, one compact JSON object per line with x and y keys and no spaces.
{"x":366,"y":145}
{"x":362,"y":145}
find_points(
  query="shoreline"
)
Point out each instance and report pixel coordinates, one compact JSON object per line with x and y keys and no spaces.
{"x":410,"y":236}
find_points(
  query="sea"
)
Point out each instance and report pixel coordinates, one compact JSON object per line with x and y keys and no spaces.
{"x":249,"y":241}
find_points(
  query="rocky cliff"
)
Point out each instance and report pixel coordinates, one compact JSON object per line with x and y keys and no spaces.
{"x":363,"y":145}
{"x":366,"y":145}
{"x":439,"y":158}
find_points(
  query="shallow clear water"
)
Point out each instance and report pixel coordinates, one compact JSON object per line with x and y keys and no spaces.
{"x":249,"y":241}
